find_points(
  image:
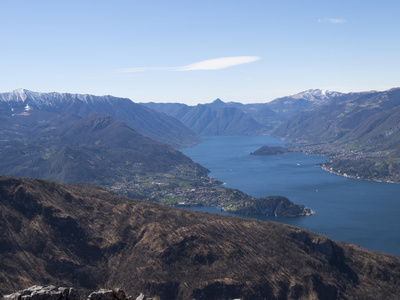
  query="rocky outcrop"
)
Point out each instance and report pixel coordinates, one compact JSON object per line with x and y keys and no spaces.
{"x":104,"y":294}
{"x":50,"y":292}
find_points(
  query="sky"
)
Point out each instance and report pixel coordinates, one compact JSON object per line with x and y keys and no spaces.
{"x":193,"y":52}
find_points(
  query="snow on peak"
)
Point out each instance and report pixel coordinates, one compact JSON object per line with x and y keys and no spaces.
{"x":20,"y":93}
{"x":16,"y":95}
{"x":37,"y":100}
{"x":315,"y":95}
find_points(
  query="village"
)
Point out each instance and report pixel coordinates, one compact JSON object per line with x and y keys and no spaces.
{"x":181,"y":188}
{"x":376,"y":166}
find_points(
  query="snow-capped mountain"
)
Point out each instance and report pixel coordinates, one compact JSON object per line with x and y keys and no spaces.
{"x":315,"y":95}
{"x":38,"y":99}
{"x":291,"y":105}
{"x":146,"y":121}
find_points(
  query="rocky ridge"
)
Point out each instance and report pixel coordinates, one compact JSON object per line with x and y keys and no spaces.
{"x":51,"y":292}
{"x":88,"y":238}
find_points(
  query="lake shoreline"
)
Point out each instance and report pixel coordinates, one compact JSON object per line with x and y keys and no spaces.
{"x":361,"y":212}
{"x":341,"y":154}
{"x":330,"y":170}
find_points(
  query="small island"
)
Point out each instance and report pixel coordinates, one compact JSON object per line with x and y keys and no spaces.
{"x":270,"y":150}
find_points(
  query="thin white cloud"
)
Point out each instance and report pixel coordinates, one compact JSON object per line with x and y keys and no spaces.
{"x":210,"y":64}
{"x":332,"y":20}
{"x":219,"y":63}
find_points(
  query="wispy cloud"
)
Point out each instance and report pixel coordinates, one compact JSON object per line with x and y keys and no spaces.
{"x":332,"y":20}
{"x":219,"y":63}
{"x":210,"y":64}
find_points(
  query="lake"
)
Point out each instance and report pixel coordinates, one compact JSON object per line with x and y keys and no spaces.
{"x":361,"y":212}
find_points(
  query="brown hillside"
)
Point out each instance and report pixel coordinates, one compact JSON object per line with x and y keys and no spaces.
{"x":86,"y":237}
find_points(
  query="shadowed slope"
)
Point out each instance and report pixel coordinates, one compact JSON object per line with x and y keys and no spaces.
{"x":95,"y":150}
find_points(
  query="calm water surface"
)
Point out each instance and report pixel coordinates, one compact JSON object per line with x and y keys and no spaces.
{"x":362,"y":212}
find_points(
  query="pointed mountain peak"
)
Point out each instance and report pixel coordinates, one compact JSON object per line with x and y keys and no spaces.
{"x":217,"y":104}
{"x":218,"y":101}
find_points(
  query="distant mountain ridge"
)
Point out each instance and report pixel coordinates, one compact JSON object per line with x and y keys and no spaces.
{"x":213,"y":119}
{"x":234,"y":118}
{"x":146,"y":121}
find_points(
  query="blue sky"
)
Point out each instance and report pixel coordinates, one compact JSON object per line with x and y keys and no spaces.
{"x":196,"y":51}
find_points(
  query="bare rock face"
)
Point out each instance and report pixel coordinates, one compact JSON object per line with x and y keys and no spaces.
{"x":48,"y":292}
{"x":103,"y":294}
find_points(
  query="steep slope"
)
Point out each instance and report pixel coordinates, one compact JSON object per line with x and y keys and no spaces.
{"x":86,"y":237}
{"x":96,"y":149}
{"x":146,"y":121}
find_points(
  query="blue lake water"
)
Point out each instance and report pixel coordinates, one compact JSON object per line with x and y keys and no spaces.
{"x":361,"y":212}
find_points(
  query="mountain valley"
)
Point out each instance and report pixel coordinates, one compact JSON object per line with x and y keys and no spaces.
{"x":101,"y":150}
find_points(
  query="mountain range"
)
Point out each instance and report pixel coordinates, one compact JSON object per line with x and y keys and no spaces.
{"x":146,"y":121}
{"x":233,"y":118}
{"x":359,"y":131}
{"x":176,"y":124}
{"x":87,"y":238}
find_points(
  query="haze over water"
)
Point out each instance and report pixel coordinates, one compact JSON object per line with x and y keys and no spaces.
{"x":361,"y":212}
